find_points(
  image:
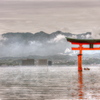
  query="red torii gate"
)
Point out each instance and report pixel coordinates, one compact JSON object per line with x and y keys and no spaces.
{"x":81,"y":42}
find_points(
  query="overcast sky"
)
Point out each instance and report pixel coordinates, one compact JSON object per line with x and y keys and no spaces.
{"x":75,"y":16}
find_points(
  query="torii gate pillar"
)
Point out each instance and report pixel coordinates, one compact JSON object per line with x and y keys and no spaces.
{"x":79,"y":62}
{"x":80,"y":59}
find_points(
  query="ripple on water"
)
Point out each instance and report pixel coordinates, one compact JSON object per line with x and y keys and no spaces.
{"x":42,"y":83}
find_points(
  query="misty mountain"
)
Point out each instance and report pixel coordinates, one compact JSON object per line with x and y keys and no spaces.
{"x":39,"y":36}
{"x":40,"y":43}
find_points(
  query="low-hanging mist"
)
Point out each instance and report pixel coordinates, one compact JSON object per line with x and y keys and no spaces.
{"x":40,"y":43}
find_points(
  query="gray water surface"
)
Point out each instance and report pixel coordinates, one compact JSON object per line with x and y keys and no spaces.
{"x":49,"y":83}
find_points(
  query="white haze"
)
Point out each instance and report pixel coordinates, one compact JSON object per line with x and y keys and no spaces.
{"x":18,"y":49}
{"x":15,"y":47}
{"x":96,"y":33}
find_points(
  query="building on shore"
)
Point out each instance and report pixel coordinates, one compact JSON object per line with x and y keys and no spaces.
{"x":44,"y":62}
{"x":40,"y":62}
{"x":28,"y":62}
{"x":49,"y":63}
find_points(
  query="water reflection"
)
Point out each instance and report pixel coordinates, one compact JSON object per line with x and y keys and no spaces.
{"x":80,"y":83}
{"x":49,"y":83}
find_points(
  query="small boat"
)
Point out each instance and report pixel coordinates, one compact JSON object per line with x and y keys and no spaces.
{"x":86,"y":68}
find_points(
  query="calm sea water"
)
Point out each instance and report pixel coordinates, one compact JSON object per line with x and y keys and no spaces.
{"x":49,"y":83}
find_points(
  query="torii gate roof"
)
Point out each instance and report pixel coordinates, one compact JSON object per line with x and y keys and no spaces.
{"x":83,"y":41}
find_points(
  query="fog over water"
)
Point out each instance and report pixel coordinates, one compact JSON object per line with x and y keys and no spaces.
{"x":41,"y":43}
{"x":21,"y":44}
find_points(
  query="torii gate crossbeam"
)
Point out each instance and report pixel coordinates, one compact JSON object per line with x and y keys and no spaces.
{"x":81,"y":42}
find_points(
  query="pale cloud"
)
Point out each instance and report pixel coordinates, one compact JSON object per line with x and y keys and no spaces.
{"x":59,"y":38}
{"x":67,"y":50}
{"x":51,"y":0}
{"x":75,"y":16}
{"x":96,"y":32}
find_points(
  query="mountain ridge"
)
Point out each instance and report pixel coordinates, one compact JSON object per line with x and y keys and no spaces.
{"x":42,"y":36}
